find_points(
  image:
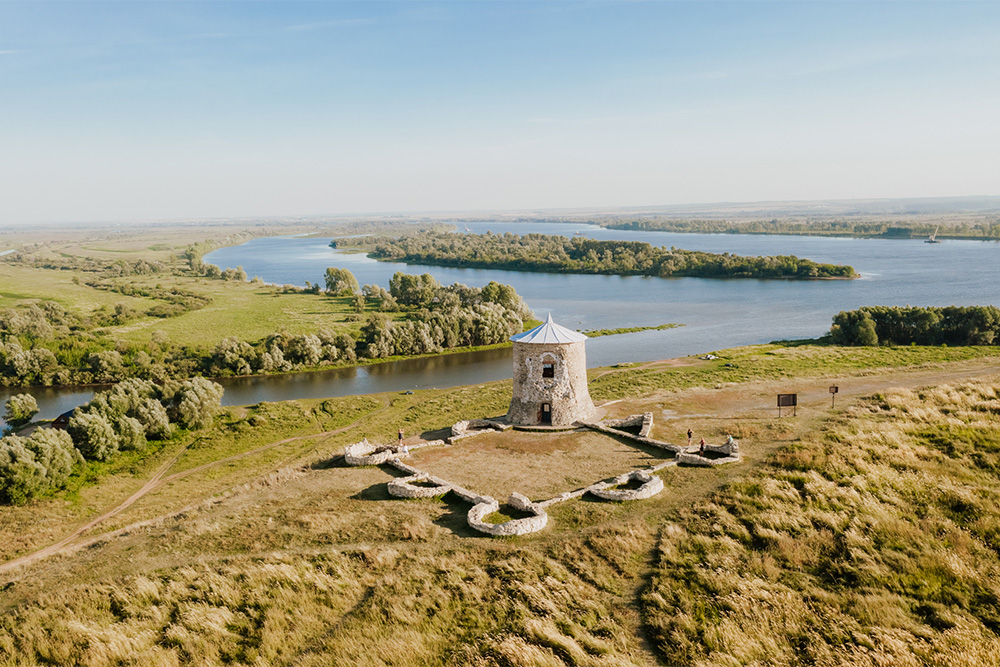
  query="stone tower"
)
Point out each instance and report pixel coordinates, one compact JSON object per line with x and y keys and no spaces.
{"x":550,"y":377}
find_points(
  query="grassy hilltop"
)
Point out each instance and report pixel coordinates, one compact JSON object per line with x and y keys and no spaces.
{"x":862,"y":535}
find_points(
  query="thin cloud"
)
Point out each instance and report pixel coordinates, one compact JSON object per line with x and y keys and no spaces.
{"x":326,"y":25}
{"x":7,"y":53}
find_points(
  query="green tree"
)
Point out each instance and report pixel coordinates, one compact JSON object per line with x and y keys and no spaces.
{"x":197,"y":401}
{"x":20,"y":409}
{"x":54,"y":451}
{"x":22,"y":477}
{"x":340,"y":282}
{"x":93,"y":435}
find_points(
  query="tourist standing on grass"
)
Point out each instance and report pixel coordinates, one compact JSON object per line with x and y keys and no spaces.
{"x":400,"y":442}
{"x":690,"y":435}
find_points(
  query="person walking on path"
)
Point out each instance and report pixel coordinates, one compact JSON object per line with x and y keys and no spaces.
{"x":690,"y":435}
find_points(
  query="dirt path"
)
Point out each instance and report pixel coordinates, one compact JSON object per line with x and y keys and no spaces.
{"x":155,"y":482}
{"x":152,"y":483}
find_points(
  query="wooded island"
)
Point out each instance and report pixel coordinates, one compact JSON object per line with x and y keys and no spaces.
{"x":559,"y":254}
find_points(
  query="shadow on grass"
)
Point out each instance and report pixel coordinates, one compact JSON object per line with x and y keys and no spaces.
{"x":336,"y":461}
{"x":378,"y":491}
{"x":455,"y":519}
{"x":437,"y":434}
{"x":655,"y":452}
{"x":824,"y":341}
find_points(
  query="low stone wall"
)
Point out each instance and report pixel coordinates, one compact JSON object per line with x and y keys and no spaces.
{"x":469,"y":428}
{"x":569,"y":495}
{"x":365,"y":453}
{"x":697,"y":460}
{"x":730,"y":451}
{"x":403,"y":487}
{"x":463,"y":493}
{"x":643,"y":421}
{"x":651,"y":485}
{"x":635,"y":438}
{"x":467,"y":425}
{"x":647,"y":424}
{"x":486,"y":505}
{"x":729,"y":448}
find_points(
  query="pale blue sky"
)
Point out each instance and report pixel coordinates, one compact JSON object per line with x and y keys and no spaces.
{"x":161,"y":110}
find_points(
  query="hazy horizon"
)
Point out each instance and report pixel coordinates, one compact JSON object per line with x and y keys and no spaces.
{"x":160,"y":111}
{"x":876,"y":206}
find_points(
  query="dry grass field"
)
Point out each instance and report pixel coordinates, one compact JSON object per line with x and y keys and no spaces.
{"x":539,"y":465}
{"x":861,"y":535}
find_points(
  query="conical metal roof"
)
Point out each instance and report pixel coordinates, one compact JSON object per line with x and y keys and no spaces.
{"x":550,"y":332}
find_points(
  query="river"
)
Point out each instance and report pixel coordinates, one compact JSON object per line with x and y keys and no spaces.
{"x":715,"y":313}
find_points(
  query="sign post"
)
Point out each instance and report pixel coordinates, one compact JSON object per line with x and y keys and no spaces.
{"x":833,"y":395}
{"x":787,"y":401}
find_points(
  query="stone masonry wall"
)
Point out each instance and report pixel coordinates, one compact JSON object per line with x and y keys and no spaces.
{"x":651,"y":485}
{"x":566,"y":392}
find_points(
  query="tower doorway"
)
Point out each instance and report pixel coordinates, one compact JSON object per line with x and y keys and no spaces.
{"x":546,"y":416}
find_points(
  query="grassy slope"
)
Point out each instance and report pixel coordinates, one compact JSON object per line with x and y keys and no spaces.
{"x":872,"y":542}
{"x":23,"y":284}
{"x":241,"y":310}
{"x":778,"y":360}
{"x":840,"y":548}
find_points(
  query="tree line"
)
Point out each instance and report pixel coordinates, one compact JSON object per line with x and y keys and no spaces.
{"x":895,"y":325}
{"x":559,"y":254}
{"x":427,"y":317}
{"x":125,"y":418}
{"x":869,"y":228}
{"x":44,"y":344}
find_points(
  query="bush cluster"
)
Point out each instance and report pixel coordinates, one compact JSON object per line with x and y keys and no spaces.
{"x":43,"y":344}
{"x":446,"y":317}
{"x":35,"y":465}
{"x":124,"y":418}
{"x":132,"y":412}
{"x":20,"y":408}
{"x":894,"y":325}
{"x":437,"y":317}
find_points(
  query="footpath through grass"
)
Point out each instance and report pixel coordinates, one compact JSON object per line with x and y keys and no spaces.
{"x":771,"y":362}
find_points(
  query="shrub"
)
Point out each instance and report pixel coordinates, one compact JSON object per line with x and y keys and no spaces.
{"x":20,"y":409}
{"x":34,"y":466}
{"x":93,"y":435}
{"x":197,"y":402}
{"x":22,"y":477}
{"x":341,"y":282}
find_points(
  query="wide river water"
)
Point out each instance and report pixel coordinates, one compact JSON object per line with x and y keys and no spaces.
{"x":715,"y":313}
